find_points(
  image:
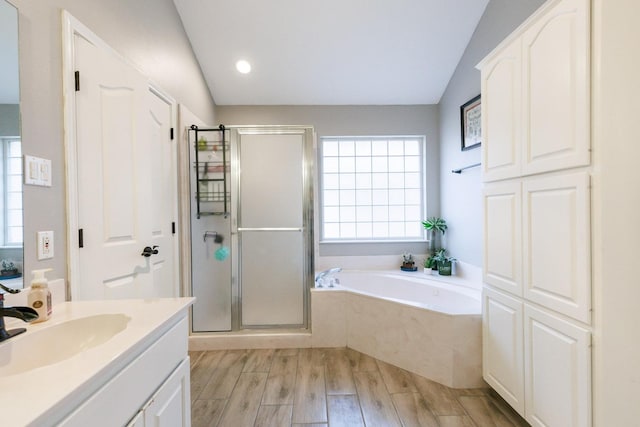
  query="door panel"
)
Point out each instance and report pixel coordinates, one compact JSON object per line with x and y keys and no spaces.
{"x":503,"y":236}
{"x":557,"y":249}
{"x":502,"y":346}
{"x":126,"y":180}
{"x":271,"y":180}
{"x":557,"y":371}
{"x":272,"y":278}
{"x":110,"y":180}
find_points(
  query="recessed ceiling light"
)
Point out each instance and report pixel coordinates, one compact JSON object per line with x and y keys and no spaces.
{"x":243,"y":66}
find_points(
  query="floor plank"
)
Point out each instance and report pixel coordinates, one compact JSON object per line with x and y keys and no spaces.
{"x":338,"y":373}
{"x":274,"y":416}
{"x":397,"y":380}
{"x":206,"y":413}
{"x":202,"y":371}
{"x":224,"y":377}
{"x":259,"y":360}
{"x":281,"y":381}
{"x":413,"y":410}
{"x":244,"y":403}
{"x":376,"y":404}
{"x":484,"y":412}
{"x":344,"y":411}
{"x":455,"y":421}
{"x":310,"y":401}
{"x":361,"y":362}
{"x":441,"y":399}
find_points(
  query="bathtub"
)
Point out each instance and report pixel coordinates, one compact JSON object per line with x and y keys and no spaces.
{"x":427,"y":325}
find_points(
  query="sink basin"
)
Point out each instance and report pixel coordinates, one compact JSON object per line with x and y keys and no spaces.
{"x":47,"y":346}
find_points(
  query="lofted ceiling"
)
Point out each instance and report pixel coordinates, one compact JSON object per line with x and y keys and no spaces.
{"x":329,"y":52}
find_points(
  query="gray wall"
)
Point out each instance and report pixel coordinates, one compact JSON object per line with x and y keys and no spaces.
{"x":355,"y":120}
{"x":147,"y":32}
{"x":9,"y":120}
{"x":461,"y":202}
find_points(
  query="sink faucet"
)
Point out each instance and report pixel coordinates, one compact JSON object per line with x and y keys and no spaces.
{"x":327,"y":275}
{"x":26,"y":314}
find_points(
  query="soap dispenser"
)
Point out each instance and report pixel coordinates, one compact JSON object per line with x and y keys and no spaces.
{"x":39,"y":297}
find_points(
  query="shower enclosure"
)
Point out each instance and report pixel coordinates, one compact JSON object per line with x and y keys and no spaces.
{"x":268,"y":228}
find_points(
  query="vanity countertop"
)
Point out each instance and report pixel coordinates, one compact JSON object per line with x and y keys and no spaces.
{"x":48,"y":392}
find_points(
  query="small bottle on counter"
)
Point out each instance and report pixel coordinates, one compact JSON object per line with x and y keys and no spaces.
{"x":39,"y":297}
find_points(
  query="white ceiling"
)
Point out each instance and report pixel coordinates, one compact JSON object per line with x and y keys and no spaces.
{"x":329,"y":52}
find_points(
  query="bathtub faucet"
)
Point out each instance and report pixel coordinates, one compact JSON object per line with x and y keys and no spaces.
{"x":326,"y":276}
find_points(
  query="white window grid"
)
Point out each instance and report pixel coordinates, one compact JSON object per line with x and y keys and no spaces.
{"x":372,"y":188}
{"x":11,"y":211}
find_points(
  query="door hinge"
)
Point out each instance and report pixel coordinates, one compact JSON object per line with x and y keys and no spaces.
{"x":80,"y":238}
{"x":77,"y":77}
{"x":173,"y":228}
{"x":171,"y":133}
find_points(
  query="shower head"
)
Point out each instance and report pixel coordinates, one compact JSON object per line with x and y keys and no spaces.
{"x":219,"y":238}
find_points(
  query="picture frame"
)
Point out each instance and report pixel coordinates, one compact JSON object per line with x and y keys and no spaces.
{"x":471,"y":123}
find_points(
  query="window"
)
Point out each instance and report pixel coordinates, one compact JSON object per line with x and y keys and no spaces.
{"x":12,"y":190}
{"x":372,"y":188}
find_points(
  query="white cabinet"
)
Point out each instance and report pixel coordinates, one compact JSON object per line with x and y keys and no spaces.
{"x":536,"y":203}
{"x":502,"y":205}
{"x":170,"y":405}
{"x":557,"y":370}
{"x":153,"y":386}
{"x":556,"y":243}
{"x":502,"y":346}
{"x":502,"y":114}
{"x":535,"y":95}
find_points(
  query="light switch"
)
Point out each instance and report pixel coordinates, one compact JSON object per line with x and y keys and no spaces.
{"x":45,"y":244}
{"x":37,"y":171}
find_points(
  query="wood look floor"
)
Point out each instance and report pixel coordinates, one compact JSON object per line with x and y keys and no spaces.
{"x":329,"y":387}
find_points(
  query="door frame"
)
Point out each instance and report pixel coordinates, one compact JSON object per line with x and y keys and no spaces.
{"x":72,"y":27}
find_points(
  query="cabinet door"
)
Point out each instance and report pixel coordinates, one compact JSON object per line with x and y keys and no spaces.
{"x":503,"y":236}
{"x":557,"y":371}
{"x":502,"y":346}
{"x":501,"y":115}
{"x":557,"y":266}
{"x":171,"y":404}
{"x":555,"y":73}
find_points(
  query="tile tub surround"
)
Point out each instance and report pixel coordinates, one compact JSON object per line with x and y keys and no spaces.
{"x":442,"y":347}
{"x":64,"y":385}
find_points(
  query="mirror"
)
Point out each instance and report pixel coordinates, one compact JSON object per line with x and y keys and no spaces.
{"x":11,"y":255}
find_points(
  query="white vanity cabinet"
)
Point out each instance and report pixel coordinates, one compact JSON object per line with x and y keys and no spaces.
{"x":535,"y":95}
{"x":169,"y":406}
{"x":537,"y":294}
{"x":152,"y":390}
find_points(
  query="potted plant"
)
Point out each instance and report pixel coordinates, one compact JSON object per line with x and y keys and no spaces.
{"x":408,"y":264}
{"x":430,"y":265}
{"x":436,"y":228}
{"x":8,"y":268}
{"x":444,"y":262}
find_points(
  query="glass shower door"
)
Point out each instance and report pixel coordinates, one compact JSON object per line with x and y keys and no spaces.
{"x":273,"y":227}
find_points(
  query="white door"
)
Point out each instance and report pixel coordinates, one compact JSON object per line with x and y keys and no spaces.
{"x":118,"y":161}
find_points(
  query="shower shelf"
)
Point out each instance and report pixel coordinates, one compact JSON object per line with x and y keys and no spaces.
{"x":211,"y":168}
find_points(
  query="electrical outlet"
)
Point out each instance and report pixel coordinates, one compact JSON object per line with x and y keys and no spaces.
{"x":45,"y":244}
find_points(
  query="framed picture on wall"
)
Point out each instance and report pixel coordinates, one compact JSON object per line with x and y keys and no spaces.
{"x":471,"y":122}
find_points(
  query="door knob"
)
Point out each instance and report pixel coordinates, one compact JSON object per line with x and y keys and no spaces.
{"x":148,"y":251}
